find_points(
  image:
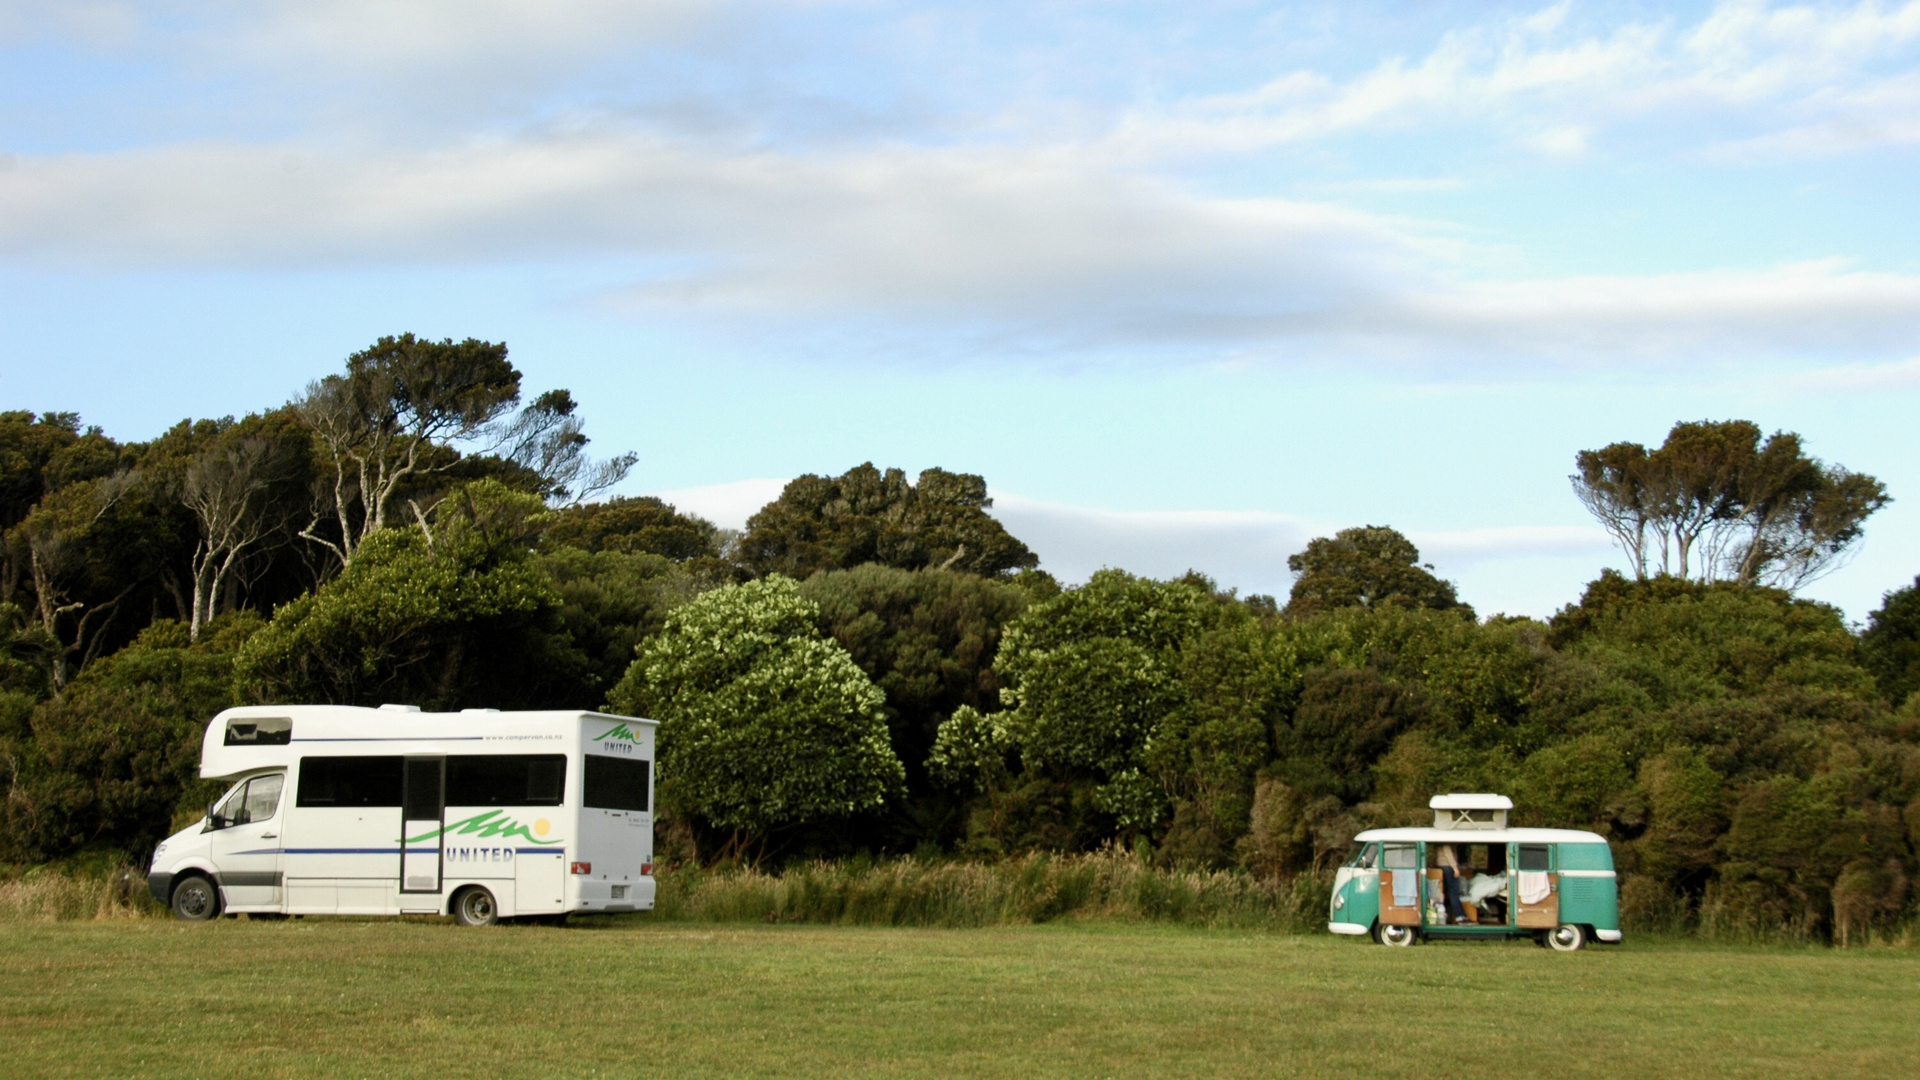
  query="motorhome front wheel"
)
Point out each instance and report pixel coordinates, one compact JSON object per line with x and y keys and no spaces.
{"x":474,"y":907}
{"x":195,"y":899}
{"x":1567,"y":938}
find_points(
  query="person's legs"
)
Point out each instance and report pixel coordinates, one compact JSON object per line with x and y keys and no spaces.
{"x":1450,"y":883}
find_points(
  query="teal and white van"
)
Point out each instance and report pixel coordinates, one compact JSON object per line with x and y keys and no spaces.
{"x":480,"y":814}
{"x":1470,"y":876}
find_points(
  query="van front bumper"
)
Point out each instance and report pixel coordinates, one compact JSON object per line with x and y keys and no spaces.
{"x":161,"y":886}
{"x":1347,"y":928}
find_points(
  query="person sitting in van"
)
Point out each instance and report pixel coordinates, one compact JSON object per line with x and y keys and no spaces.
{"x":1449,"y":862}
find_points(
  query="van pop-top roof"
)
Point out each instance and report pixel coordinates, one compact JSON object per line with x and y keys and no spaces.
{"x":1470,"y":811}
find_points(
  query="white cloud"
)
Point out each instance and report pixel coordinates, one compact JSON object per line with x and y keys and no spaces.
{"x":1008,"y":246}
{"x":1520,"y":569}
{"x":727,"y":505}
{"x":1550,"y":83}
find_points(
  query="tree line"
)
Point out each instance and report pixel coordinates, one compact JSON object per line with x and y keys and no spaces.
{"x":875,"y":665}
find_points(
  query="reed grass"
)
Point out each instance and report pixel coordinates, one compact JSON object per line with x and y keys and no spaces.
{"x":1035,"y":888}
{"x":60,"y":894}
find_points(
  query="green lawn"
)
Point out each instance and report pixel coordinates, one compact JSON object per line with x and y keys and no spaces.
{"x":377,"y":998}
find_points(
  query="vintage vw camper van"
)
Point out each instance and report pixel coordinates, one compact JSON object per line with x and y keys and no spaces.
{"x":480,"y":814}
{"x":1471,"y":876}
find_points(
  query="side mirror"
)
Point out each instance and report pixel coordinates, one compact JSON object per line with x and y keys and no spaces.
{"x":214,"y":820}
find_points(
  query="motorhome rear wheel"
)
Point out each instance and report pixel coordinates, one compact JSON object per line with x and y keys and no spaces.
{"x":474,"y":907}
{"x":1567,"y":937}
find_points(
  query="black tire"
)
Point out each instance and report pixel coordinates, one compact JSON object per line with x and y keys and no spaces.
{"x":1399,"y":936}
{"x":1567,"y":937}
{"x":195,"y":899}
{"x":474,"y":906}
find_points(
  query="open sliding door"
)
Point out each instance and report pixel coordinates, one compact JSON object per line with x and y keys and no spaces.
{"x":1535,"y":888}
{"x":422,"y":824}
{"x":1400,"y":885}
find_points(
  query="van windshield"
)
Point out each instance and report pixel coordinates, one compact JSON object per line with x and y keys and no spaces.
{"x":1365,"y":856}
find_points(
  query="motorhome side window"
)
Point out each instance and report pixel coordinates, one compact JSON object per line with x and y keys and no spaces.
{"x":259,"y":731}
{"x":349,"y":781}
{"x":506,"y":780}
{"x":1534,"y":857}
{"x":617,"y":783}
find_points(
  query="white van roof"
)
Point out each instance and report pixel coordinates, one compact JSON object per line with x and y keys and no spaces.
{"x":284,"y":732}
{"x":1483,"y":836}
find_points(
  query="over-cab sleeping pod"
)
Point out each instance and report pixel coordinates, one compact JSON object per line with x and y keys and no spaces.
{"x":480,"y":814}
{"x":1554,"y":885}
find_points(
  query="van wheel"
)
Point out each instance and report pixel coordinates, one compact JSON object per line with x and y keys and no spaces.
{"x":195,"y":899}
{"x":1401,"y":936}
{"x":474,"y":907}
{"x":1567,"y":937}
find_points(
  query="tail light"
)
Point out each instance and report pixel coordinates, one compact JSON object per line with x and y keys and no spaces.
{"x":646,"y":868}
{"x":582,"y":868}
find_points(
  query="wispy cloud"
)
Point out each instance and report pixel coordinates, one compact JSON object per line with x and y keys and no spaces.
{"x":1553,"y":82}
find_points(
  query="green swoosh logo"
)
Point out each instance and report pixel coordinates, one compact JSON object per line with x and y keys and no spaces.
{"x":491,"y":823}
{"x":618,"y":731}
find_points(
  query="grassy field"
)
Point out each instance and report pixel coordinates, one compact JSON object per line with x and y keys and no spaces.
{"x":322,"y":997}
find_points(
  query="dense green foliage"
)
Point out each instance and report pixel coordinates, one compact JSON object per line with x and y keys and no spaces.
{"x":876,"y":667}
{"x":765,"y":723}
{"x":866,"y":516}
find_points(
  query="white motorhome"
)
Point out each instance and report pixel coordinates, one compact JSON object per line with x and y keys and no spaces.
{"x":480,"y":814}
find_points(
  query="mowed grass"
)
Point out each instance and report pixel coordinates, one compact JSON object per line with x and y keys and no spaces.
{"x":316,"y":997}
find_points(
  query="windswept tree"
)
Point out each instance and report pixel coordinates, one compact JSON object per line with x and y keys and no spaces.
{"x":387,"y":421}
{"x":546,"y":438}
{"x":1715,"y":503}
{"x":1368,"y":567}
{"x":866,"y":516}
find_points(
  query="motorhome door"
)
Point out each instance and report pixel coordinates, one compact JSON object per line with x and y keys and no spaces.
{"x":421,"y":825}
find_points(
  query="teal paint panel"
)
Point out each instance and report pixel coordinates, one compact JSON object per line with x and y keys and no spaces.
{"x":1585,"y":857}
{"x":1594,"y":901}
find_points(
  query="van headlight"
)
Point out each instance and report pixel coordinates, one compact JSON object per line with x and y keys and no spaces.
{"x":1339,"y":900}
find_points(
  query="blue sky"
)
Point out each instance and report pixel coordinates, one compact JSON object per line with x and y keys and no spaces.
{"x":1188,"y":283}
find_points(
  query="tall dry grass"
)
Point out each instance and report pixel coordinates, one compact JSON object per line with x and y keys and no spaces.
{"x":1029,"y":889}
{"x":55,"y":894}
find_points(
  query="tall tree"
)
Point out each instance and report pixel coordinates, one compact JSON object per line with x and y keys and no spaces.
{"x":1891,"y":644}
{"x":1368,"y":567}
{"x":1715,"y":503}
{"x":765,"y":723}
{"x":400,"y":401}
{"x":242,"y":490}
{"x":864,"y":515}
{"x":546,"y":437}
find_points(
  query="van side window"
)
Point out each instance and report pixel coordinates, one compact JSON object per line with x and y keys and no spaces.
{"x":616,"y":783}
{"x":1401,"y":857}
{"x":506,"y":779}
{"x":1365,"y":856}
{"x":1534,"y":857}
{"x":349,"y":781}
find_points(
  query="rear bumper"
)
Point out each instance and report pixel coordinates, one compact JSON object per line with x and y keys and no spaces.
{"x":1347,"y":928}
{"x":161,"y":886}
{"x":1611,"y":937}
